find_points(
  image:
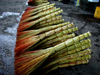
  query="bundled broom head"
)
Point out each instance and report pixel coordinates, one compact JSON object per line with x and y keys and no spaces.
{"x":24,"y":43}
{"x":26,"y":25}
{"x":29,"y":61}
{"x":43,"y":44}
{"x":31,"y":12}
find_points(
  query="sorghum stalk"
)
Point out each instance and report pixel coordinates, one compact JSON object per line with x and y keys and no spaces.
{"x":47,"y":20}
{"x":41,"y":30}
{"x":26,"y":15}
{"x":22,"y":44}
{"x":51,"y":23}
{"x":71,"y":49}
{"x":40,"y":15}
{"x":36,"y":8}
{"x":57,"y":40}
{"x":53,"y":36}
{"x":64,"y":59}
{"x":62,"y":30}
{"x":70,"y":62}
{"x":30,"y":24}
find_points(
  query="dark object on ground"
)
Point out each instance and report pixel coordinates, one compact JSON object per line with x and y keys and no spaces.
{"x":66,"y":1}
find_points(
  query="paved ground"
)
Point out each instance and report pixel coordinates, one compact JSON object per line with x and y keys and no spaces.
{"x":82,"y":19}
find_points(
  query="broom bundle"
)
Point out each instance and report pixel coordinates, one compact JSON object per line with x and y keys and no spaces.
{"x":29,"y":61}
{"x":36,"y":8}
{"x":32,"y":13}
{"x":23,"y":43}
{"x":43,"y":44}
{"x":26,"y":25}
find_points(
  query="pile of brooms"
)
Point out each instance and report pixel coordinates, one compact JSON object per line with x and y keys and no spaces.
{"x":45,"y":42}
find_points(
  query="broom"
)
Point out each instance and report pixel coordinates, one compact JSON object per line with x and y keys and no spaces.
{"x":38,"y":31}
{"x":26,"y":14}
{"x":36,"y":8}
{"x":25,"y":43}
{"x":31,"y":63}
{"x":30,"y":24}
{"x":47,"y":12}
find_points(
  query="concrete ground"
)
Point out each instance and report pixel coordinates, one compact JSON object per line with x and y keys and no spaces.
{"x":84,"y":20}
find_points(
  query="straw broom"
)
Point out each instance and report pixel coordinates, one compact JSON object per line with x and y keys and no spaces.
{"x":50,"y":23}
{"x":36,"y":8}
{"x":46,"y":24}
{"x":48,"y":20}
{"x":25,"y":43}
{"x":51,"y":42}
{"x":41,"y":30}
{"x":37,"y":60}
{"x":65,"y":59}
{"x":64,"y":52}
{"x":67,"y":63}
{"x":36,"y":15}
{"x":26,"y":14}
{"x":62,"y":30}
{"x":57,"y":40}
{"x":71,"y":49}
{"x":32,"y":40}
{"x":47,"y":12}
{"x":30,"y":24}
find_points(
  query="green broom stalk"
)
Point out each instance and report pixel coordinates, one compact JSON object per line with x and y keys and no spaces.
{"x":40,"y":15}
{"x":57,"y":30}
{"x":22,"y":44}
{"x":53,"y":36}
{"x":39,"y":7}
{"x":50,"y":23}
{"x":41,"y":30}
{"x":50,"y":20}
{"x":28,"y":25}
{"x":33,"y":64}
{"x":64,"y":59}
{"x":70,"y":50}
{"x":26,"y":15}
{"x":66,"y":51}
{"x":71,"y":62}
{"x":55,"y":41}
{"x":44,"y":22}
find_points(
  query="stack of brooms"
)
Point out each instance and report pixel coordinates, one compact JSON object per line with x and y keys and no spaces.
{"x":45,"y":42}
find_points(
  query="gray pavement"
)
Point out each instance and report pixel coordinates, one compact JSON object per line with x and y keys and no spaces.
{"x":84,"y":20}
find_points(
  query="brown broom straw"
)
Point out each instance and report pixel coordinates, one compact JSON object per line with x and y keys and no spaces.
{"x":51,"y":37}
{"x":41,"y":30}
{"x":40,"y":14}
{"x":33,"y":64}
{"x":26,"y":15}
{"x":28,"y":25}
